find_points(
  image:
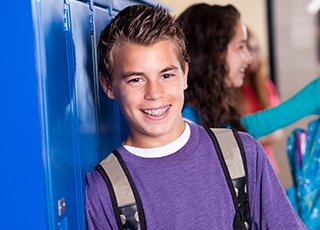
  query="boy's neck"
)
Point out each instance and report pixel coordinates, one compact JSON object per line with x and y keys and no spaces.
{"x":140,"y":140}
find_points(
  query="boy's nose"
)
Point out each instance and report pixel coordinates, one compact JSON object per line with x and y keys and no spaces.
{"x":154,"y":91}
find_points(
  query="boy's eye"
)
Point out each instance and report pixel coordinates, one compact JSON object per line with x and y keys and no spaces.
{"x":166,"y":76}
{"x":134,"y":80}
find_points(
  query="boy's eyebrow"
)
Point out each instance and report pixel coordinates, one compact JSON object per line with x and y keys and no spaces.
{"x":169,"y":68}
{"x":137,"y":73}
{"x":132,"y":73}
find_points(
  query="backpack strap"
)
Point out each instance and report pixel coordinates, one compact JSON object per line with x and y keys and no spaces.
{"x":232,"y":158}
{"x":125,"y":199}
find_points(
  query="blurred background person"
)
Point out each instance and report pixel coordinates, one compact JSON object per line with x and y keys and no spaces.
{"x":217,"y":45}
{"x":304,"y":103}
{"x":258,"y":93}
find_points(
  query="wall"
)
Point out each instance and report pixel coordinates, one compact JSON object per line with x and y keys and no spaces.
{"x":296,"y":61}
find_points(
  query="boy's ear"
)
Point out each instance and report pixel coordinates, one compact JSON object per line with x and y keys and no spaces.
{"x":107,"y":88}
{"x":185,"y":77}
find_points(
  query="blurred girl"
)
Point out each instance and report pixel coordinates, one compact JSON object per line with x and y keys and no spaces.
{"x":217,"y":45}
{"x":259,"y":93}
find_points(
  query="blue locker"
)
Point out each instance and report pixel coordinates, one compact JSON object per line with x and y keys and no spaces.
{"x":79,"y":124}
{"x":22,"y":190}
{"x":56,"y":70}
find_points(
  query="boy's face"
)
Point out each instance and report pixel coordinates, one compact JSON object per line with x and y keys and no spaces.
{"x":149,"y":85}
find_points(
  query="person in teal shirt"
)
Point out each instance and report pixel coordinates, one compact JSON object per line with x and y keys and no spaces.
{"x":304,"y":103}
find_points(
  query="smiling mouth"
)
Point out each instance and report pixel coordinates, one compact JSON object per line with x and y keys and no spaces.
{"x":243,"y":70}
{"x":156,"y":112}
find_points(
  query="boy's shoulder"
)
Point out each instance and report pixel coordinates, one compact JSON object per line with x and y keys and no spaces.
{"x":251,"y":145}
{"x":247,"y":138}
{"x":252,"y":148}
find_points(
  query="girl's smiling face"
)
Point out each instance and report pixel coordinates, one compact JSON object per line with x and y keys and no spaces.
{"x":238,"y":56}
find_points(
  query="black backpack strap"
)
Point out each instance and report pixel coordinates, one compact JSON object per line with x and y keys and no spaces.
{"x":125,"y":199}
{"x":232,"y":158}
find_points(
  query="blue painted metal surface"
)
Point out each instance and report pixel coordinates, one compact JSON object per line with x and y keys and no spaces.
{"x":22,"y":191}
{"x":56,"y":121}
{"x":56,"y":108}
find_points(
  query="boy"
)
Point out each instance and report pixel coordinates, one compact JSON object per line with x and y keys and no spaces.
{"x":144,"y":65}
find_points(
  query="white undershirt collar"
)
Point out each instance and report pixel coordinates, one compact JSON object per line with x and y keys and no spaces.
{"x":163,"y":150}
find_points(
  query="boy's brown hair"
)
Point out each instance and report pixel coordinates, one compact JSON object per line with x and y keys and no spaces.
{"x":141,"y":25}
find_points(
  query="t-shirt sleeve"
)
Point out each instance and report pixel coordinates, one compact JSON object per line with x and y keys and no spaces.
{"x":99,"y":211}
{"x":302,"y":104}
{"x":270,"y":207}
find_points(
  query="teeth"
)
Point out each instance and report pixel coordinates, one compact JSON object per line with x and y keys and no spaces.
{"x":156,"y":112}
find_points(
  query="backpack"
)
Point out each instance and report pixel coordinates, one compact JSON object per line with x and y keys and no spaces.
{"x":303,"y":151}
{"x":125,"y":199}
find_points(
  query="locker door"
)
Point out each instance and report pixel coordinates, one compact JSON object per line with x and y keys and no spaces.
{"x":55,"y":97}
{"x":22,"y":189}
{"x":70,"y":138}
{"x":83,"y":82}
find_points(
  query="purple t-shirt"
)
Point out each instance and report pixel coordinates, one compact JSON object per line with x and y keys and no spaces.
{"x":188,"y":190}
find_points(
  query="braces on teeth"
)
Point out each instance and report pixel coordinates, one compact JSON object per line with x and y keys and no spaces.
{"x":156,"y":113}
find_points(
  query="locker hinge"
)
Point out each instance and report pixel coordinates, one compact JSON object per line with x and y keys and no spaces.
{"x":91,"y":24}
{"x":66,"y":18}
{"x":91,"y":17}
